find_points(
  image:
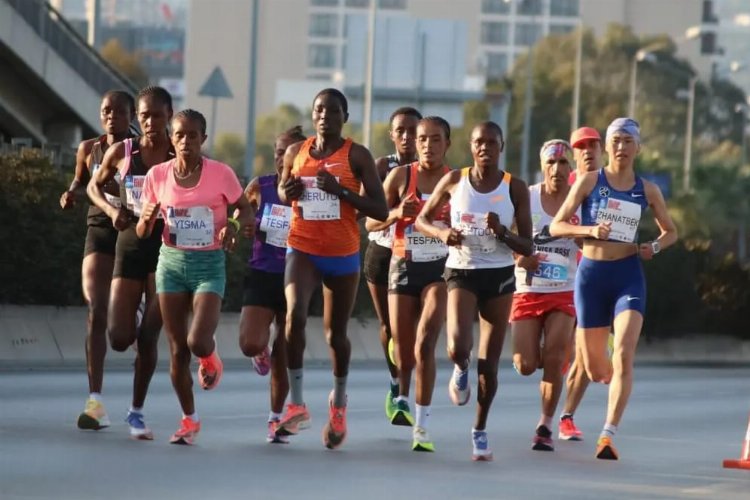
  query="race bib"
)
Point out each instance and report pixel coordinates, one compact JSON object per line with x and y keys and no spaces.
{"x":422,"y":248}
{"x":191,"y":228}
{"x":133,"y":192}
{"x":624,"y":216}
{"x":477,"y":236}
{"x":275,"y":223}
{"x":552,"y":271}
{"x":316,"y":204}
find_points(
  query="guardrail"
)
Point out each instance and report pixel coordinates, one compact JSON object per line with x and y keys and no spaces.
{"x":52,"y":27}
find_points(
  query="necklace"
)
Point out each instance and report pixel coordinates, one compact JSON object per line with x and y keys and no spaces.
{"x":191,"y":172}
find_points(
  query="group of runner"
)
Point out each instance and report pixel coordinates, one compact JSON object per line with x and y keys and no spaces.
{"x":446,"y":245}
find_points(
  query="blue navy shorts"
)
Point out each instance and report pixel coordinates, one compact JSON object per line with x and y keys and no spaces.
{"x":605,"y":288}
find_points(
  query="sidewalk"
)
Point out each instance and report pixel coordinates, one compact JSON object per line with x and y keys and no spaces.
{"x":51,"y":335}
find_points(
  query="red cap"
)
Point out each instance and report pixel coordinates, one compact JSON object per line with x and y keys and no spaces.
{"x":583,"y":134}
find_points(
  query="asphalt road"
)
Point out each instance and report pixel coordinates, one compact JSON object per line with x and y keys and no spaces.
{"x":680,"y":424}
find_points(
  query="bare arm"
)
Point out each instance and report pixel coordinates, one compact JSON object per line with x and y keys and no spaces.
{"x":290,"y":188}
{"x":520,"y":243}
{"x":82,"y":175}
{"x":372,"y":204}
{"x":425,"y":222}
{"x":106,"y":172}
{"x":561,"y":227}
{"x":252,"y":195}
{"x":393,"y":186}
{"x":668,"y":231}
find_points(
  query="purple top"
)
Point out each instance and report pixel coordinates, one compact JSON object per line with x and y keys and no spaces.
{"x":265,"y":257}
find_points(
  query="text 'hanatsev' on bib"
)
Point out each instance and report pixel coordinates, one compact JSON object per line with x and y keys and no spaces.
{"x":275,"y":223}
{"x":317,"y":204}
{"x":190,"y":228}
{"x":624,"y":216}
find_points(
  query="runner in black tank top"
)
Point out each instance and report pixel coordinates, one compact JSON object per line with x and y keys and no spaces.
{"x":135,"y":261}
{"x":403,"y":133}
{"x":116,"y":113}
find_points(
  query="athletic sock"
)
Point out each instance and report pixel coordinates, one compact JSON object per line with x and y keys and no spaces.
{"x":565,"y":415}
{"x":608,"y":431}
{"x":545,"y":421}
{"x":193,"y":416}
{"x":273,"y":416}
{"x":394,"y":381}
{"x":423,"y":416}
{"x":136,"y":409}
{"x":339,"y":392}
{"x":96,"y":396}
{"x":295,"y":386}
{"x":400,"y":398}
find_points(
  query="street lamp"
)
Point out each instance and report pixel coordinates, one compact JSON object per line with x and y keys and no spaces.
{"x":641,"y":55}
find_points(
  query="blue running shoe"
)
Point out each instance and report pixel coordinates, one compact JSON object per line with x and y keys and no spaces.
{"x":458,"y":387}
{"x":482,"y":452}
{"x":138,"y":429}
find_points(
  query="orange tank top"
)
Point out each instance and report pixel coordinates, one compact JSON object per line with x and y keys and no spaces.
{"x":323,"y":224}
{"x":405,"y":225}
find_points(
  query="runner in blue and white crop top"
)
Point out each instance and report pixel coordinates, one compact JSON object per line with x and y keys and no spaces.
{"x":610,"y":285}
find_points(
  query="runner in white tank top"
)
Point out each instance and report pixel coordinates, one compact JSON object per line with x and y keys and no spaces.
{"x":543,"y":302}
{"x":485,"y":203}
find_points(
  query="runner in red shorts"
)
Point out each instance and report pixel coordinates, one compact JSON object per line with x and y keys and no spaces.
{"x":543,"y":302}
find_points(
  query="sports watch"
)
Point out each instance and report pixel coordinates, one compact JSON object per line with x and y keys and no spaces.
{"x":655,"y":247}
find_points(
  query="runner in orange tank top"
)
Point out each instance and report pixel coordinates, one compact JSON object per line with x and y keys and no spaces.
{"x":417,"y":293}
{"x":322,"y":179}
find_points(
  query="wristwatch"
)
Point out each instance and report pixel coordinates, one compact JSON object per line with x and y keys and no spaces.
{"x":344,"y":193}
{"x":655,"y":247}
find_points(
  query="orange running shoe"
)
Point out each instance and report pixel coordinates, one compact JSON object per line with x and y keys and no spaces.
{"x":334,"y":432}
{"x":187,"y":432}
{"x":569,"y":431}
{"x":294,"y":420}
{"x":605,"y":450}
{"x":209,"y":371}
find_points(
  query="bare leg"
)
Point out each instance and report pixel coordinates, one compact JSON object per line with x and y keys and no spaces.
{"x":96,"y":276}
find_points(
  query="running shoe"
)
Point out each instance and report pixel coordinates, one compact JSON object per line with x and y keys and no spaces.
{"x":138,"y":429}
{"x":458,"y":387}
{"x":390,"y":403}
{"x":94,"y":416}
{"x":262,"y":362}
{"x":294,"y":420}
{"x":187,"y":432}
{"x":481,"y":445}
{"x":403,"y":415}
{"x":543,"y":439}
{"x":569,"y":431}
{"x":605,"y":450}
{"x":421,"y":440}
{"x":334,"y":432}
{"x":272,"y":437}
{"x":209,"y":371}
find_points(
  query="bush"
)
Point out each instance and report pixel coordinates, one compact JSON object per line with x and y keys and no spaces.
{"x":42,"y":245}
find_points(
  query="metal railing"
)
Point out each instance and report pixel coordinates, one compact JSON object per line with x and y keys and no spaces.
{"x":52,"y":27}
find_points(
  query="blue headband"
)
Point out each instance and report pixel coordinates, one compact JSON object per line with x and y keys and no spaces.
{"x":625,"y":125}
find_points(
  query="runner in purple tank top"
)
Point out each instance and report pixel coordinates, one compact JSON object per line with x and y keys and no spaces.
{"x":263,"y":300}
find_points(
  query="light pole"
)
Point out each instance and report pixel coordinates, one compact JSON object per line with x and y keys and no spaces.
{"x":641,"y":55}
{"x":576,"y":118}
{"x":367,"y":105}
{"x":689,"y":134}
{"x":528,"y":100}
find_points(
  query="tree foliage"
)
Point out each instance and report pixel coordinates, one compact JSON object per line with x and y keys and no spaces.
{"x":127,"y":63}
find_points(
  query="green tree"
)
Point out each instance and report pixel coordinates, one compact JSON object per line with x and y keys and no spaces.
{"x":229,"y":148}
{"x":127,"y":63}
